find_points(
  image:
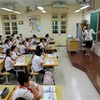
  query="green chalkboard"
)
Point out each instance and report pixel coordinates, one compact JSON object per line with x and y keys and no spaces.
{"x":94,"y":22}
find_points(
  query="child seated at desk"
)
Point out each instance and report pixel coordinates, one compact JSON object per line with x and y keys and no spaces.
{"x":42,"y":43}
{"x":23,"y":48}
{"x":9,"y":62}
{"x":1,"y":39}
{"x":18,"y":41}
{"x":38,"y":61}
{"x":27,"y":89}
{"x":34,"y":38}
{"x":15,"y":54}
{"x":7,"y":45}
{"x":27,"y":42}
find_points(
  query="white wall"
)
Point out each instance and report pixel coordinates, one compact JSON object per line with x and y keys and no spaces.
{"x":46,"y":20}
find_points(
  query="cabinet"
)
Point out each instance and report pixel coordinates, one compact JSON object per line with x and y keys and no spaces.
{"x":73,"y":44}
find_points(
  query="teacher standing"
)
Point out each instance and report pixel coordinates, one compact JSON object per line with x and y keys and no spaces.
{"x":89,"y":39}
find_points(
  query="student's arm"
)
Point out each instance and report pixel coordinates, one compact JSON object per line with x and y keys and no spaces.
{"x":40,"y":90}
{"x":34,"y":90}
{"x":11,"y":61}
{"x":93,"y":31}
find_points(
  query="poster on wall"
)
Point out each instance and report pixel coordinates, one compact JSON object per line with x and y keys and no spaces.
{"x":34,"y":23}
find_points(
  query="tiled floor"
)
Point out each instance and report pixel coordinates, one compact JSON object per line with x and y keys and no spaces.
{"x":75,"y":83}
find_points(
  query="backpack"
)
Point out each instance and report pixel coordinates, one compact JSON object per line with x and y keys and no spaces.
{"x":48,"y":78}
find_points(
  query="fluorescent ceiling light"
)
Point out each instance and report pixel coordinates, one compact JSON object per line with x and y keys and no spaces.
{"x":41,"y":8}
{"x":77,"y":10}
{"x":84,"y":7}
{"x":17,"y":12}
{"x":6,"y":9}
{"x":44,"y":11}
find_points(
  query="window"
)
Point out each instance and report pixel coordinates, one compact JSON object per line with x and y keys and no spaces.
{"x":9,"y":24}
{"x":59,"y":23}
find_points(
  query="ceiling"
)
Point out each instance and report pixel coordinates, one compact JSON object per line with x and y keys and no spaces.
{"x":33,"y":3}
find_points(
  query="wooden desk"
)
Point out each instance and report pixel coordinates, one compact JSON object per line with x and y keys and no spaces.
{"x":28,"y":61}
{"x":11,"y":89}
{"x":59,"y":92}
{"x":1,"y":64}
{"x":55,"y":60}
{"x":50,"y":48}
{"x":73,"y":45}
{"x":1,"y":50}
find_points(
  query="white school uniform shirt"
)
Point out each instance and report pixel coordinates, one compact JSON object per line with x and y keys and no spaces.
{"x":89,"y":34}
{"x":22,"y":49}
{"x":41,"y":44}
{"x":17,"y":42}
{"x":33,"y":41}
{"x":27,"y":44}
{"x":6,"y":46}
{"x":24,"y":93}
{"x":8,"y":64}
{"x":37,"y":63}
{"x":14,"y":55}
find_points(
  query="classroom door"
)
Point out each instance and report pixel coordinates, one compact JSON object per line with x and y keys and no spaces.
{"x":59,"y":29}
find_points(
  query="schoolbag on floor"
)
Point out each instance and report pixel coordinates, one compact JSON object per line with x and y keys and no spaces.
{"x":48,"y":78}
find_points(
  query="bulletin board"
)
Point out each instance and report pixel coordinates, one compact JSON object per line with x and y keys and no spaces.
{"x":34,"y":23}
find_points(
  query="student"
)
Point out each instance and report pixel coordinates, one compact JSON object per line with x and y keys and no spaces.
{"x":9,"y":62}
{"x":14,"y":52}
{"x":11,"y":42}
{"x":42,"y":43}
{"x":34,"y":39}
{"x":21,"y":37}
{"x":7,"y":45}
{"x":23,"y":48}
{"x":47,"y":37}
{"x":18,"y":40}
{"x":27,"y":42}
{"x":7,"y":37}
{"x":27,"y":89}
{"x":1,"y":39}
{"x":38,"y":61}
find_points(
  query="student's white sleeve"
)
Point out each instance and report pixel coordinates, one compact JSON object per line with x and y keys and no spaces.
{"x":93,"y":31}
{"x":8,"y":59}
{"x":28,"y":96}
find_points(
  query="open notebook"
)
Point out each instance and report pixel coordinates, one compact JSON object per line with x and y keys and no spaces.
{"x":20,"y":62}
{"x":49,"y":61}
{"x":2,"y":56}
{"x":49,"y":93}
{"x":51,"y":55}
{"x":33,"y":47}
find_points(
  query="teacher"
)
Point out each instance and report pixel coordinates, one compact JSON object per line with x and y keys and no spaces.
{"x":89,"y":39}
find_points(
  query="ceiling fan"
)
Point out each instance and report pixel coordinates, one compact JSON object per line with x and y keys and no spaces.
{"x":83,"y":1}
{"x":28,"y":9}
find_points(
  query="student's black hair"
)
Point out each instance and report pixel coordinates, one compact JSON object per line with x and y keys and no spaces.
{"x":20,"y":34}
{"x":23,"y":42}
{"x":8,"y":53}
{"x":23,"y":77}
{"x":0,"y":36}
{"x":12,"y":34}
{"x":12,"y":48}
{"x":39,"y":50}
{"x":27,"y":39}
{"x":6,"y":41}
{"x":17,"y":37}
{"x":10,"y":39}
{"x":41,"y":39}
{"x":7,"y":37}
{"x":20,"y":98}
{"x":45,"y":39}
{"x":47,"y":35}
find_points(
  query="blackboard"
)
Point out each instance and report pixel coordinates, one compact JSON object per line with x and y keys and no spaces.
{"x":94,"y":22}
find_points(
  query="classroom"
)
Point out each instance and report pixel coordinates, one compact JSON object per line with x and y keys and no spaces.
{"x":49,"y":49}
